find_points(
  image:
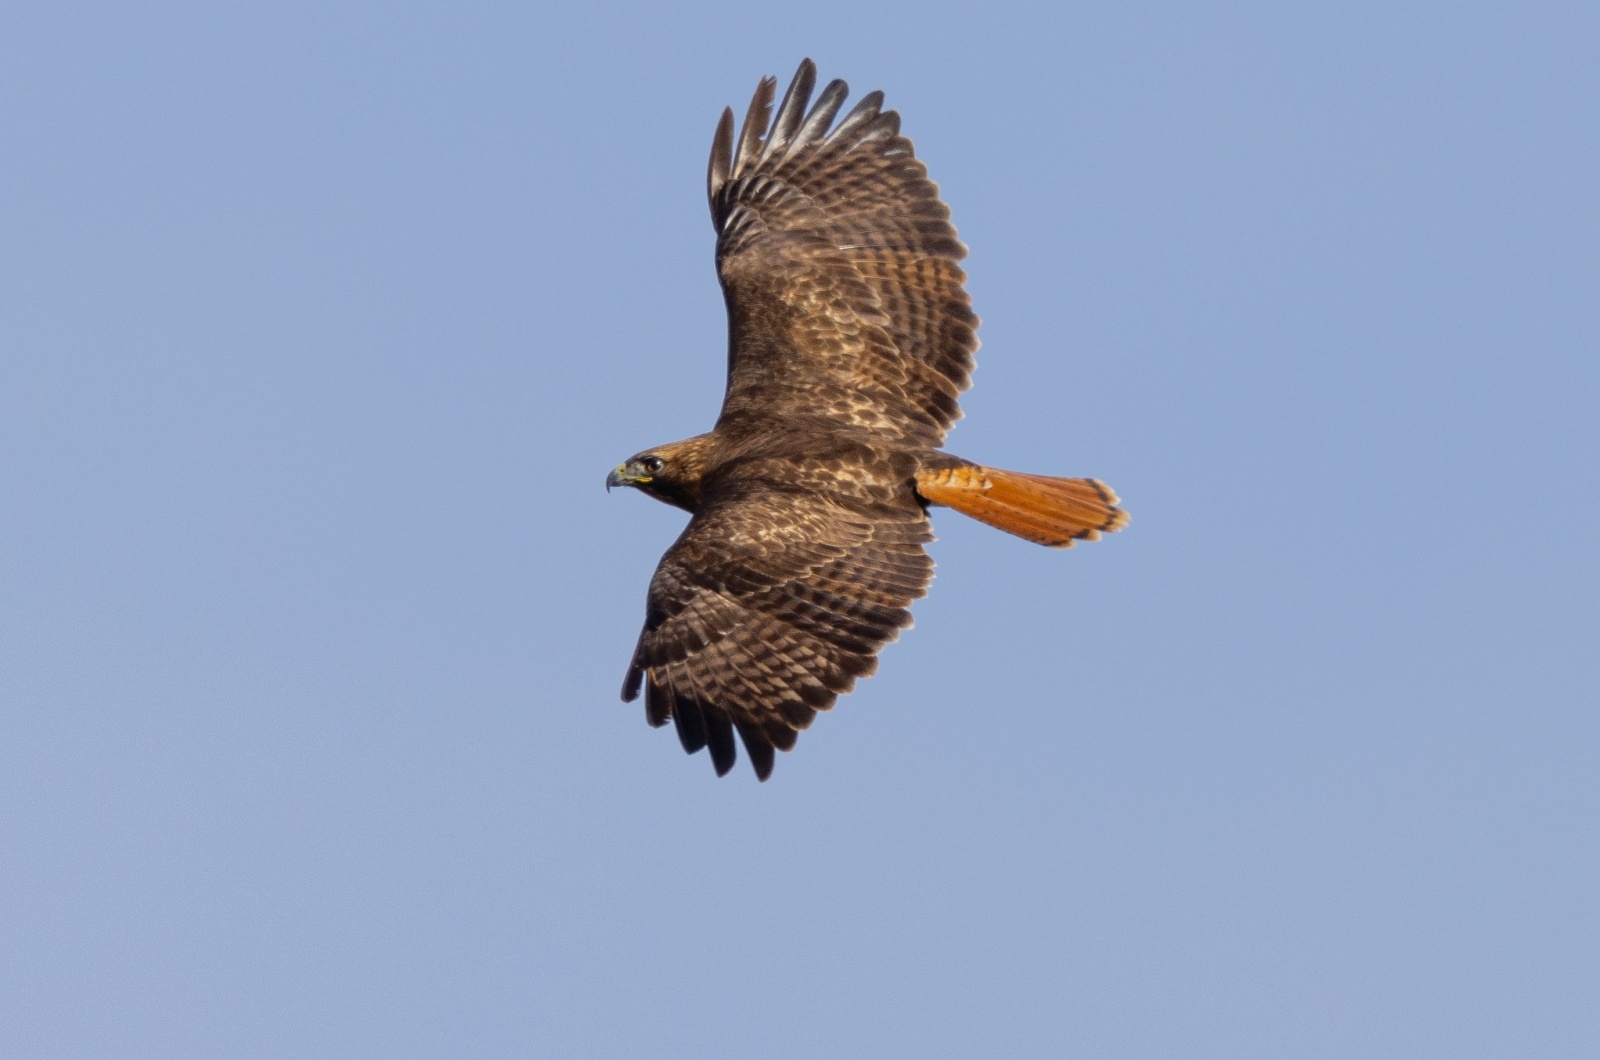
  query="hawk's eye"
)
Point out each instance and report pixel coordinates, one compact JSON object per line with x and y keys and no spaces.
{"x":652,"y":464}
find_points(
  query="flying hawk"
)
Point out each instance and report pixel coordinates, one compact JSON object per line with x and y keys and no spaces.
{"x":849,"y":338}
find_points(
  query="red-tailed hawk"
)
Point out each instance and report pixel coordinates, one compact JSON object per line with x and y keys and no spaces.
{"x":849,"y":338}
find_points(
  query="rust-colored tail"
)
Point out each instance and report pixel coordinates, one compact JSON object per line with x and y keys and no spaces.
{"x":1042,"y":509}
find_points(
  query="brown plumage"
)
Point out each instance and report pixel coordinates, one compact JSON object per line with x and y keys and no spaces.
{"x":850,"y":339}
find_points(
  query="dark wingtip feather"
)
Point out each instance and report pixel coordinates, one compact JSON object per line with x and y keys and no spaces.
{"x":657,"y":704}
{"x":719,"y":738}
{"x":779,"y":735}
{"x":822,"y":114}
{"x":862,"y":114}
{"x":690,"y":720}
{"x":755,"y":124}
{"x":792,"y":111}
{"x":721,"y":163}
{"x":759,"y":750}
{"x":630,"y":684}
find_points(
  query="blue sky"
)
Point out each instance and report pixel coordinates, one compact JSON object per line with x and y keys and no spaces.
{"x":322,"y":324}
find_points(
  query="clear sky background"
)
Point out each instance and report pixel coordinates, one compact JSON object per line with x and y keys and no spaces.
{"x":323,"y":323}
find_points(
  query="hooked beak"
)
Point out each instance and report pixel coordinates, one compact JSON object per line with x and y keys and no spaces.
{"x":619,"y":477}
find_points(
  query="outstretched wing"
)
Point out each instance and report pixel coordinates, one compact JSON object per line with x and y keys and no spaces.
{"x":838,"y":263}
{"x":770,"y":606}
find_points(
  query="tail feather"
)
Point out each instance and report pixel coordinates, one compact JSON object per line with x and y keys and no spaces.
{"x":1040,"y":508}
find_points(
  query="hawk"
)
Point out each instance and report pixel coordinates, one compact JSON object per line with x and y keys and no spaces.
{"x":850,"y":337}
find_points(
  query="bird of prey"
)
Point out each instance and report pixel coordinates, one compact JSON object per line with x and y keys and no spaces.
{"x":850,"y":337}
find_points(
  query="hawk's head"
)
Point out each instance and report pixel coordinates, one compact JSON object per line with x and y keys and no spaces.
{"x":670,"y":473}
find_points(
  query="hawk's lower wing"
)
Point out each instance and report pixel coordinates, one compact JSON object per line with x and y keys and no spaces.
{"x":769,"y":607}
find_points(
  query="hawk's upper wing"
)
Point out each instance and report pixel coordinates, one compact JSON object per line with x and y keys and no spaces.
{"x":769,"y":607}
{"x":838,"y":263}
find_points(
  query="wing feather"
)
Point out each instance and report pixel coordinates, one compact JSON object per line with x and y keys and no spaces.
{"x":719,"y":739}
{"x":792,"y":111}
{"x":862,"y":113}
{"x":688,"y":719}
{"x":755,"y":126}
{"x":721,"y":163}
{"x":821,"y":116}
